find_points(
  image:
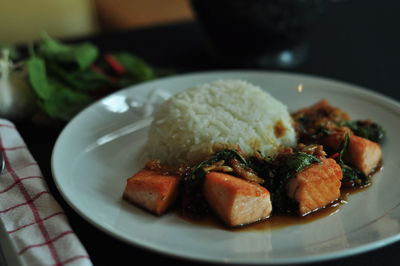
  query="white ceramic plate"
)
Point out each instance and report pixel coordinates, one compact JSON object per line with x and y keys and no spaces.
{"x":99,"y":148}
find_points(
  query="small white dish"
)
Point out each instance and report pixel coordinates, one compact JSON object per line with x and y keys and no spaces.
{"x":98,"y":151}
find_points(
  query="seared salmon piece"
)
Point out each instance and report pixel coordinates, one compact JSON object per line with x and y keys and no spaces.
{"x":316,"y":186}
{"x":236,"y":201}
{"x":323,"y":108}
{"x":152,"y":190}
{"x":362,"y":153}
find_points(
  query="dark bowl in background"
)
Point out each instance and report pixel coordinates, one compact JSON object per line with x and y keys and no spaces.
{"x":258,"y":32}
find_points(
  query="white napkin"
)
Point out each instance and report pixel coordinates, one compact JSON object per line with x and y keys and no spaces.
{"x":35,"y":223}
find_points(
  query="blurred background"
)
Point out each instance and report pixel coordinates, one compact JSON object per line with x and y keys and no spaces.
{"x":353,"y":41}
{"x":22,"y":21}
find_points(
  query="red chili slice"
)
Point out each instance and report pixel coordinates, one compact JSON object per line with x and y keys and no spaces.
{"x":335,"y":155}
{"x":114,"y":63}
{"x":99,"y":70}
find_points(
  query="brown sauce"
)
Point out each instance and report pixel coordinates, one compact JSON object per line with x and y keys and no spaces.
{"x":278,"y":221}
{"x":279,"y":129}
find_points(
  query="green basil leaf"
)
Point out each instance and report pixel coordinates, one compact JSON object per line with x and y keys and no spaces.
{"x":353,"y":177}
{"x":83,"y":54}
{"x":80,"y":80}
{"x":64,"y":103}
{"x":344,"y":147}
{"x":366,"y":129}
{"x":196,"y":176}
{"x":38,"y":77}
{"x":135,"y":67}
{"x":299,"y":161}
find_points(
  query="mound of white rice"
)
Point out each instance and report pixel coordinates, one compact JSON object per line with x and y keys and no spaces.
{"x":199,"y":121}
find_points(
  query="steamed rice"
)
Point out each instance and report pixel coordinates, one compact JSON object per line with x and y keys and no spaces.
{"x":199,"y":121}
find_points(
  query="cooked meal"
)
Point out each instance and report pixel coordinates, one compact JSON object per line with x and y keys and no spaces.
{"x":231,"y":149}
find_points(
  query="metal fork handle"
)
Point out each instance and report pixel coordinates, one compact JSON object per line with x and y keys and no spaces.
{"x":2,"y":163}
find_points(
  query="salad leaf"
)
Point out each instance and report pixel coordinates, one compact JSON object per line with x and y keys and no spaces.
{"x":80,"y":80}
{"x":38,"y":78}
{"x":83,"y":54}
{"x":67,"y":77}
{"x":64,"y":103}
{"x":135,"y":67}
{"x":56,"y":99}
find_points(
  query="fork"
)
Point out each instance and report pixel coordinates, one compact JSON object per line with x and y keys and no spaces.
{"x":2,"y":163}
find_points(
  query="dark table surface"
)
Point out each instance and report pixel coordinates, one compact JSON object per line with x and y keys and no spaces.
{"x":355,"y":41}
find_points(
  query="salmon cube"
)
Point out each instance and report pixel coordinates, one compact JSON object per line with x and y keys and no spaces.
{"x":236,"y":201}
{"x":316,"y":186}
{"x":152,"y":190}
{"x":362,"y":153}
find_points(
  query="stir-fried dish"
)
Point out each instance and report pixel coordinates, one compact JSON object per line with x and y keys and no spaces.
{"x":332,"y":152}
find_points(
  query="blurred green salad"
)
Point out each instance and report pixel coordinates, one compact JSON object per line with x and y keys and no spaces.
{"x":67,"y":77}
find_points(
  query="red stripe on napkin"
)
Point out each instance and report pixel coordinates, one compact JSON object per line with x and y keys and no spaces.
{"x":27,"y":225}
{"x":14,"y":148}
{"x":18,"y":181}
{"x":6,"y":125}
{"x":74,"y":258}
{"x":30,"y":202}
{"x":48,"y":242}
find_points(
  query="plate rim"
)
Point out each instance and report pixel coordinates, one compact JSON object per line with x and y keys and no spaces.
{"x":394,"y":106}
